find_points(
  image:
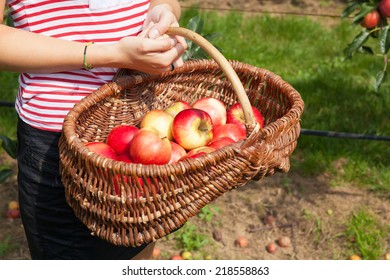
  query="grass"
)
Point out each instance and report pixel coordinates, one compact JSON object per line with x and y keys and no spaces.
{"x":367,"y":235}
{"x":5,"y":246}
{"x":8,"y":90}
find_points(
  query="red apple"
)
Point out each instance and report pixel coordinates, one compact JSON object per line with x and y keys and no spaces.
{"x":384,"y":8}
{"x":192,"y":128}
{"x":371,"y":20}
{"x":177,"y":107}
{"x":230,"y":130}
{"x":177,"y":152}
{"x":159,"y":120}
{"x":125,"y":157}
{"x":214,"y":107}
{"x":13,"y":214}
{"x":120,"y":136}
{"x":135,"y":192}
{"x":102,"y":149}
{"x":221,"y":142}
{"x":148,"y":147}
{"x":197,"y":152}
{"x":235,"y":114}
{"x":176,"y":257}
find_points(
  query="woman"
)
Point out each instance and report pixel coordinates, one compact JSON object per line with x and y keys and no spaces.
{"x":65,"y":49}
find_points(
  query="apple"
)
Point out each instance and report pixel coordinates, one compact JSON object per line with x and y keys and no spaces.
{"x":102,"y":149}
{"x":197,"y":152}
{"x":138,"y":190}
{"x":214,"y":107}
{"x":235,"y":114}
{"x":384,"y":8}
{"x":13,"y":205}
{"x":192,"y":128}
{"x":230,"y":130}
{"x":13,"y":214}
{"x":176,"y":257}
{"x":148,"y":147}
{"x":118,"y":182}
{"x":221,"y":142}
{"x":371,"y":20}
{"x":120,"y":136}
{"x":177,"y":152}
{"x":159,"y":120}
{"x":177,"y":107}
{"x":125,"y":157}
{"x":241,"y":241}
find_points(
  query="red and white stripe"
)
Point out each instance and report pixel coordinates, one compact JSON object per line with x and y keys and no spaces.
{"x":44,"y":99}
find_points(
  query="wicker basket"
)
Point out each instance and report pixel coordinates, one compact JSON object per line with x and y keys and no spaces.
{"x":187,"y":186}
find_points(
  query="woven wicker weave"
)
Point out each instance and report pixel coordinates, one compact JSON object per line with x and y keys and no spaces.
{"x":187,"y":186}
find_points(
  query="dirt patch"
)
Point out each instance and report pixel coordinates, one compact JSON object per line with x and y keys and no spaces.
{"x":308,"y":210}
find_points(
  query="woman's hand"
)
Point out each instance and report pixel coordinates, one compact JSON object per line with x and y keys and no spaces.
{"x":149,"y":55}
{"x":158,"y":20}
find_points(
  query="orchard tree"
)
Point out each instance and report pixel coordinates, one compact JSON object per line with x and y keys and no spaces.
{"x":373,"y":16}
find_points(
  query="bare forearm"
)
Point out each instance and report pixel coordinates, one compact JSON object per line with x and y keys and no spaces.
{"x":30,"y":52}
{"x":174,"y":6}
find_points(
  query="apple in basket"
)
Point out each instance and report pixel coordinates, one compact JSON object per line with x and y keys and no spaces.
{"x":136,"y":187}
{"x":197,"y":152}
{"x":230,"y":130}
{"x":120,"y":136}
{"x":192,"y":128}
{"x":149,"y":147}
{"x":102,"y":149}
{"x":159,"y":120}
{"x":235,"y":114}
{"x":125,"y":157}
{"x":177,"y":107}
{"x":221,"y":142}
{"x":214,"y":107}
{"x":177,"y":152}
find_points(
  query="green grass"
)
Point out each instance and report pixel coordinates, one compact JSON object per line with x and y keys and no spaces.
{"x":367,"y":235}
{"x":5,"y":246}
{"x":8,"y":90}
{"x":338,"y":94}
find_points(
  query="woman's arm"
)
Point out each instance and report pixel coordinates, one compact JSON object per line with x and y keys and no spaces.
{"x":23,"y":51}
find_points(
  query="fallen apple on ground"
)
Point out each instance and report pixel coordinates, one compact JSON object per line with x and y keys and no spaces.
{"x":13,"y":205}
{"x":13,"y":214}
{"x":241,"y":242}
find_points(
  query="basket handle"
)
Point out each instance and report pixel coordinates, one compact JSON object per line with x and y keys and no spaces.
{"x":223,"y":64}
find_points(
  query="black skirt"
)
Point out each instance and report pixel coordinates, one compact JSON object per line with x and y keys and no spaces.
{"x":52,"y":229}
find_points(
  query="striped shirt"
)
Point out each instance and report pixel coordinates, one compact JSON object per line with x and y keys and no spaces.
{"x":43,"y":100}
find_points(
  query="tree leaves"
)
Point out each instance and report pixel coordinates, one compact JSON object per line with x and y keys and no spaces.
{"x":381,"y":33}
{"x":4,"y":174}
{"x":10,"y":146}
{"x":384,"y":39}
{"x":356,"y":43}
{"x":379,"y":79}
{"x":193,"y":51}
